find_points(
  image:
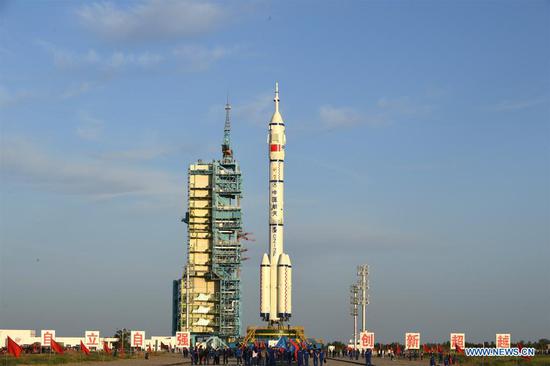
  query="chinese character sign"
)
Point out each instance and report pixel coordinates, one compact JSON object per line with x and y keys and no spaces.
{"x":458,"y":339}
{"x":137,"y":338}
{"x":91,"y":338}
{"x":367,"y":340}
{"x":503,"y":340}
{"x":183,"y":339}
{"x":47,"y":336}
{"x":412,"y":340}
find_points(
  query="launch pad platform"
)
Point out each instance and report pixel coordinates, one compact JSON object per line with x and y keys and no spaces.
{"x":267,"y":333}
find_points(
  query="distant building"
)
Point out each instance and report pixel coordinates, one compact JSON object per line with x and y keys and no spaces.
{"x":207,"y":299}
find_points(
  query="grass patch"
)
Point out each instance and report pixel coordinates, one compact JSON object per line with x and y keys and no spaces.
{"x":55,"y":359}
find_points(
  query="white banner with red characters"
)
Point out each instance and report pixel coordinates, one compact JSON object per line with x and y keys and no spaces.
{"x":412,"y":340}
{"x":503,"y":340}
{"x":91,"y":338}
{"x":46,"y":337}
{"x":366,"y":340}
{"x":137,"y":338}
{"x":458,"y":339}
{"x":183,"y":339}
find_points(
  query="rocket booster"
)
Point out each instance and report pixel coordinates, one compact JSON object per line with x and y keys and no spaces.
{"x":276,"y":269}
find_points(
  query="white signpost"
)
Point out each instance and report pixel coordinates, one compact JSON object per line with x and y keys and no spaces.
{"x":458,"y":339}
{"x":503,"y":340}
{"x":46,"y":337}
{"x":137,"y":338}
{"x":91,"y":338}
{"x":412,"y":341}
{"x":366,"y":340}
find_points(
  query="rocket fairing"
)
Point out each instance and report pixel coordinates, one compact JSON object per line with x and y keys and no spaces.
{"x":276,"y":269}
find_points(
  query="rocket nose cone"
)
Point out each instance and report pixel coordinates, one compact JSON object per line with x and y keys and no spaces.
{"x":265,"y":260}
{"x":284,"y":260}
{"x":288,"y":260}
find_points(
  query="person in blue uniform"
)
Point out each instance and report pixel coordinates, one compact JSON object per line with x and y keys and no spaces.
{"x":315,"y":358}
{"x":271,"y":355}
{"x":368,"y":357}
{"x":321,"y":356}
{"x":289,"y":356}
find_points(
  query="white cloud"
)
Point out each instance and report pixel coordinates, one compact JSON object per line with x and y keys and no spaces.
{"x":69,"y":60}
{"x":333,"y":117}
{"x":151,"y":19}
{"x":10,"y":97}
{"x":403,"y":106}
{"x":199,"y":58}
{"x":341,"y":117}
{"x":257,"y":111}
{"x":120,"y":59}
{"x":384,"y":112}
{"x":142,"y":154}
{"x":77,"y":90}
{"x":24,"y":162}
{"x":90,"y":127}
{"x":510,"y":105}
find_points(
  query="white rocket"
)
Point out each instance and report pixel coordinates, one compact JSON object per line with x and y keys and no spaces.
{"x":276,"y":270}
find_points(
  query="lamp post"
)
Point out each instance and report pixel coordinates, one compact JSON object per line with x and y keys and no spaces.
{"x":363,"y":285}
{"x":354,"y":301}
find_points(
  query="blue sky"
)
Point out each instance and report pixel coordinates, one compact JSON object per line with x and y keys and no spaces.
{"x":418,"y":142}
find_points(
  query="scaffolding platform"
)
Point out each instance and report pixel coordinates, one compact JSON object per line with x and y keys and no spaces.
{"x":269,"y":333}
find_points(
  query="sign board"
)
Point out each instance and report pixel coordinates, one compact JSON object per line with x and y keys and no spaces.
{"x":137,"y":338}
{"x":366,"y":340}
{"x":183,"y":339}
{"x":503,"y":340}
{"x":458,"y":339}
{"x":46,"y":337}
{"x":91,"y":338}
{"x":412,"y":340}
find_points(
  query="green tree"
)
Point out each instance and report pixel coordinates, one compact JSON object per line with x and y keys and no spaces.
{"x":542,"y":344}
{"x":338,"y":346}
{"x":122,"y":334}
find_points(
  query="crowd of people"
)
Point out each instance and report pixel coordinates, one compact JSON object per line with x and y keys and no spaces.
{"x":365,"y":356}
{"x":257,"y":356}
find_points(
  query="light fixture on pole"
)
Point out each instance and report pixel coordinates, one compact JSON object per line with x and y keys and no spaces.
{"x":354,"y":301}
{"x":363,"y":287}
